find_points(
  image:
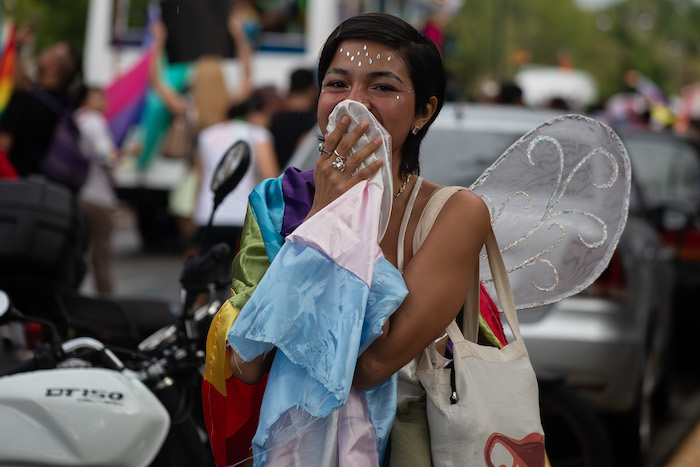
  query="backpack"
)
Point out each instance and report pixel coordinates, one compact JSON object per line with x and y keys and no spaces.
{"x":64,"y":161}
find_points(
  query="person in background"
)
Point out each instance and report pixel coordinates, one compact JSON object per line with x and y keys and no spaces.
{"x":97,"y":196}
{"x":205,"y":104}
{"x":298,"y":115}
{"x":249,"y":123}
{"x":510,"y":94}
{"x":27,"y":124}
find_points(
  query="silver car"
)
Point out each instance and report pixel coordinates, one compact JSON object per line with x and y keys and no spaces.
{"x":608,"y":341}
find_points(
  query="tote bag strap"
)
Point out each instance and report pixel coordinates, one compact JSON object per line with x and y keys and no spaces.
{"x":503,"y":292}
{"x":498,"y":270}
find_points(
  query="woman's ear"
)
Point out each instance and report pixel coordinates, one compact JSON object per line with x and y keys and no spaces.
{"x":426,"y":112}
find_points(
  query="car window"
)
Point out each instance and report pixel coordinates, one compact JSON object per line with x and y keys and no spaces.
{"x":666,"y":169}
{"x":454,"y":157}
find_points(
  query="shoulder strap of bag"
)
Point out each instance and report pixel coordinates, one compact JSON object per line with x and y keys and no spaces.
{"x":470,"y":324}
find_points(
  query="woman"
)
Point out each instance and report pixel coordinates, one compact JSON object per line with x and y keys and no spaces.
{"x":397,"y":73}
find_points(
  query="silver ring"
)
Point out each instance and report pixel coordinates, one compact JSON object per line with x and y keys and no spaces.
{"x":338,"y":163}
{"x":338,"y":156}
{"x":323,"y":150}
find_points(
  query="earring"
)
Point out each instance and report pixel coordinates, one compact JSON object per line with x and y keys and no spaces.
{"x":415,"y":129}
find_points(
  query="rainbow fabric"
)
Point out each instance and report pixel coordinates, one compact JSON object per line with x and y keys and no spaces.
{"x":7,"y":65}
{"x":319,"y":292}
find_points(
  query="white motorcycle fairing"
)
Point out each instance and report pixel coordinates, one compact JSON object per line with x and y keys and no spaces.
{"x":79,"y":417}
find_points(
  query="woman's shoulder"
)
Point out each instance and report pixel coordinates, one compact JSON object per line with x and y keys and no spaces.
{"x":450,"y":216}
{"x":454,"y":200}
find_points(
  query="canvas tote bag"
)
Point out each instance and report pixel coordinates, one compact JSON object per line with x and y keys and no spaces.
{"x":483,"y":405}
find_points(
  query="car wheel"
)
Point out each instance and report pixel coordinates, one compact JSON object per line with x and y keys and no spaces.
{"x":574,"y":433}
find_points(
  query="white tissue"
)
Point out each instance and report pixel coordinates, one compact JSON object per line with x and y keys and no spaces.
{"x":383,"y":178}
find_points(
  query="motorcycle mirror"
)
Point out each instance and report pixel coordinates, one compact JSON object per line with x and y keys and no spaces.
{"x":232,"y":166}
{"x":4,"y":303}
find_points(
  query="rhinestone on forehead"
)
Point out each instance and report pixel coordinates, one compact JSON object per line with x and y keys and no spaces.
{"x":369,"y":61}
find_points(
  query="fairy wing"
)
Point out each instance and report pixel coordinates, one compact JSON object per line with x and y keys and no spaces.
{"x":558,"y":199}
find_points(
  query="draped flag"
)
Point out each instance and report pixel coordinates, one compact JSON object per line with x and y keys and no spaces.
{"x":7,"y":66}
{"x":320,"y":297}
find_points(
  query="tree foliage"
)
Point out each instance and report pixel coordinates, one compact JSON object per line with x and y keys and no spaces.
{"x":55,"y":20}
{"x":490,"y":39}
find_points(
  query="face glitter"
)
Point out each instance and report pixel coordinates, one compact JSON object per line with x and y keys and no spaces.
{"x":388,"y":59}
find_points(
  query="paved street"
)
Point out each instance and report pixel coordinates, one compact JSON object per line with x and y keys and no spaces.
{"x":154,"y":275}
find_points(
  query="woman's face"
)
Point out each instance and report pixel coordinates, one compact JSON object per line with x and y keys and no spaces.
{"x":376,"y":76}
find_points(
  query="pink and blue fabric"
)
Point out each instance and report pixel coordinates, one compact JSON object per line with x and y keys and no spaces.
{"x":321,"y":303}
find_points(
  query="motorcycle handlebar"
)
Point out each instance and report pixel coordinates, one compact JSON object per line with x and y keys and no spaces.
{"x":109,"y":358}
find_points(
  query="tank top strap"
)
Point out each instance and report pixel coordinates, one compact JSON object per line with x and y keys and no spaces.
{"x":404,"y":223}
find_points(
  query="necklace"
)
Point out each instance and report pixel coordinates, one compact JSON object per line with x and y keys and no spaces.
{"x":403,"y":187}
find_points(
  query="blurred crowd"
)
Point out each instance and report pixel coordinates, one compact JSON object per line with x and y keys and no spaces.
{"x":53,"y":115}
{"x":205,"y":112}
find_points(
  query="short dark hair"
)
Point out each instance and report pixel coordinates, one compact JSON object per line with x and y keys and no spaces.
{"x":71,"y":66}
{"x":301,"y":80}
{"x":423,"y":61}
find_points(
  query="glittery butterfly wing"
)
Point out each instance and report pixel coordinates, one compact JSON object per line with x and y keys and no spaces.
{"x":558,"y":199}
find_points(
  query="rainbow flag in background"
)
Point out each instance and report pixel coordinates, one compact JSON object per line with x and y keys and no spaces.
{"x":7,"y":66}
{"x":318,"y":292}
{"x":126,"y":96}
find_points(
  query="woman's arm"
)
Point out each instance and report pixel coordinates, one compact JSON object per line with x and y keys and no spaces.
{"x":172,"y":100}
{"x":244,"y":54}
{"x":437,"y":278}
{"x":251,"y":372}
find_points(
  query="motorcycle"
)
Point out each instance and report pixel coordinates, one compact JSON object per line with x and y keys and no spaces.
{"x":102,"y":401}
